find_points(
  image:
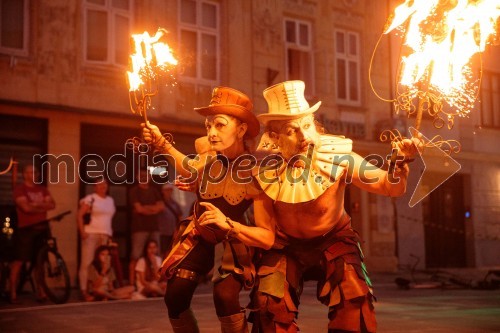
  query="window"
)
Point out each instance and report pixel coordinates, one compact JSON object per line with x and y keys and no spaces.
{"x":199,"y":41}
{"x":347,"y":67}
{"x":14,"y":27}
{"x":299,"y":60}
{"x":490,"y":100}
{"x":107,"y":31}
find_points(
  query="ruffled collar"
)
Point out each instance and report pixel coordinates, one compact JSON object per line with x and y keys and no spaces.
{"x":322,"y":167}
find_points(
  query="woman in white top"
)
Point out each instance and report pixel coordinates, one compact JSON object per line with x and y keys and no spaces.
{"x":147,"y":279}
{"x":98,"y":231}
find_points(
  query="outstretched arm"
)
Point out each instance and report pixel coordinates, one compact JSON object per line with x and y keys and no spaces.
{"x":183,"y":185}
{"x":391,"y":182}
{"x":262,"y":235}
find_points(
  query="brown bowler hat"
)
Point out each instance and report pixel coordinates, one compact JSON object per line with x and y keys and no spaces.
{"x":232,"y":102}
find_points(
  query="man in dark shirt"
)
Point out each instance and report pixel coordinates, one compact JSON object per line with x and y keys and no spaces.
{"x":169,"y":218}
{"x":146,"y":203}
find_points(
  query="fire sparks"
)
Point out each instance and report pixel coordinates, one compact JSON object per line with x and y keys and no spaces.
{"x":443,"y":36}
{"x":152,"y":58}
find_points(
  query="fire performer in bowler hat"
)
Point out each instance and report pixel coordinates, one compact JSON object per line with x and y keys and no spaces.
{"x":218,"y":215}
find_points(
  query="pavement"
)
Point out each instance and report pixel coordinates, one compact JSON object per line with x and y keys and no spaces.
{"x":414,"y":310}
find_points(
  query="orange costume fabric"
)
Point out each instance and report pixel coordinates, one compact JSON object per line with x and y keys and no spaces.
{"x":236,"y":258}
{"x":343,"y":284}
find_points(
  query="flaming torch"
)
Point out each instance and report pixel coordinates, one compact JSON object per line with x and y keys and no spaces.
{"x":151,"y":62}
{"x":440,"y":38}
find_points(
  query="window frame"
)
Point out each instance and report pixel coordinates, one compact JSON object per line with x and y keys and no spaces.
{"x":24,"y":51}
{"x":348,"y":58}
{"x":488,"y":100}
{"x":310,"y":85}
{"x":112,"y":12}
{"x":200,"y":30}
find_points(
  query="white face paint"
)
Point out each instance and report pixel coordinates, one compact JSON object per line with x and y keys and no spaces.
{"x":223,"y":131}
{"x":295,"y":136}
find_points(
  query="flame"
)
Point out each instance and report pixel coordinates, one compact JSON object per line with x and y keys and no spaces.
{"x":443,"y":36}
{"x":151,"y":57}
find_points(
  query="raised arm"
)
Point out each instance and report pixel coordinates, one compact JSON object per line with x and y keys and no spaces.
{"x":391,"y":182}
{"x":185,"y":166}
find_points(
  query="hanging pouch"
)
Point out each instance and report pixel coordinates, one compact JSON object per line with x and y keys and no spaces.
{"x":86,"y":216}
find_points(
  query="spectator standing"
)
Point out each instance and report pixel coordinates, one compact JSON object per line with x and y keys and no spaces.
{"x":169,"y":218}
{"x":147,"y":204}
{"x":148,"y":280}
{"x":102,"y":278}
{"x":98,"y":231}
{"x":32,"y":203}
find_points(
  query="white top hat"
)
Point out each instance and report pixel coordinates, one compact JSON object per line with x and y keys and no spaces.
{"x":286,"y":101}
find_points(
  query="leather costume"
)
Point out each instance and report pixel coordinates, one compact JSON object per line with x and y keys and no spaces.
{"x":199,"y":241}
{"x":343,"y":283}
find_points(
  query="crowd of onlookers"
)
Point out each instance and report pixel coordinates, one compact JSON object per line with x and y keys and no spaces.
{"x":155,"y":216}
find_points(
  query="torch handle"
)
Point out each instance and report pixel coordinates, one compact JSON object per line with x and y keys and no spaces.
{"x":145,"y":116}
{"x":418,"y":117}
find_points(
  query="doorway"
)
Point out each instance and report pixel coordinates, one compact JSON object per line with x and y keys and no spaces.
{"x":444,"y":224}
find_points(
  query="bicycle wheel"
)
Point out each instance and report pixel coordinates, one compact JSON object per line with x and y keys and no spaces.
{"x":53,"y":276}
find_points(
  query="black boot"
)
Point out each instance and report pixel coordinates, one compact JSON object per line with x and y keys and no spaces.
{"x":186,"y":323}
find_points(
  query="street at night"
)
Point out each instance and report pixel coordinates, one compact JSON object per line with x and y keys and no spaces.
{"x":416,"y":310}
{"x":165,"y":158}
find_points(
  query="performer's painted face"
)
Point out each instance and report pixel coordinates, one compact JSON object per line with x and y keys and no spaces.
{"x":223,"y":131}
{"x":295,"y":136}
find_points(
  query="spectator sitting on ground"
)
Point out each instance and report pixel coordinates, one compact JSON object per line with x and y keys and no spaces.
{"x":101,"y":278}
{"x":147,"y":272}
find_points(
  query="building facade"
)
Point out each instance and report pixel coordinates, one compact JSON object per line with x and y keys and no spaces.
{"x":64,"y":99}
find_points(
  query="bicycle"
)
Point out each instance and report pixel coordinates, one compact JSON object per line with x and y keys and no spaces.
{"x":428,"y":279}
{"x":49,"y":269}
{"x":442,"y":279}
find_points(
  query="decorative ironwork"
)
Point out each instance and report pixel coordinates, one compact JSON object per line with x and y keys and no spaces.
{"x":448,"y":146}
{"x":152,"y":65}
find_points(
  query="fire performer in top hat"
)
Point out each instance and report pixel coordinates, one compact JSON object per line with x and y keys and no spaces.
{"x":218,"y":214}
{"x":312,"y":228}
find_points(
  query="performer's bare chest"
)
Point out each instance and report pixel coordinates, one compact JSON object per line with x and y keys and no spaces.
{"x":312,"y":218}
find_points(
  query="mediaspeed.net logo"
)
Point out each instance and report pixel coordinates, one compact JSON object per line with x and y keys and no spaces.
{"x":122,"y":168}
{"x":434,"y":158}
